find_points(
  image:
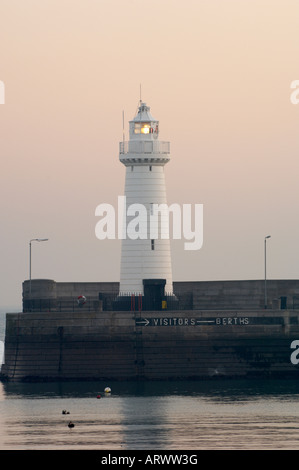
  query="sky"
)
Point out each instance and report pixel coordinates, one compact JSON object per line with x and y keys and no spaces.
{"x":217,"y":75}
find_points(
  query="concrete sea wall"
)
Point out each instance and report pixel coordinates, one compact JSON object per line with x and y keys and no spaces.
{"x":48,"y":294}
{"x":193,"y":344}
{"x":220,"y":328}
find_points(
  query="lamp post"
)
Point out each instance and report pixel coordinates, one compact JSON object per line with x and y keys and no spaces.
{"x":33,"y":240}
{"x":265,"y":251}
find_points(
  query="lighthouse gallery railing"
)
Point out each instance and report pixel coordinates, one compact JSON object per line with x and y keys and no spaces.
{"x":146,"y":146}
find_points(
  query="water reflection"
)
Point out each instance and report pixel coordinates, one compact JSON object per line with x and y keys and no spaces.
{"x":225,"y":414}
{"x":149,"y":423}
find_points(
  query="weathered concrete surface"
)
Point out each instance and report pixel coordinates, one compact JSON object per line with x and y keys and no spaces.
{"x":199,"y":295}
{"x":149,"y":345}
{"x":248,"y":294}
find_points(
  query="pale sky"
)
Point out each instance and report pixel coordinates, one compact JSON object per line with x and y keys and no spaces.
{"x":216,"y":74}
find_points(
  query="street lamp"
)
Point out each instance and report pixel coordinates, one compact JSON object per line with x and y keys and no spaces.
{"x":268,"y":236}
{"x":33,"y":240}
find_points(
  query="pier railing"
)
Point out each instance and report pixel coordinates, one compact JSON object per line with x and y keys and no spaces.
{"x":137,"y":302}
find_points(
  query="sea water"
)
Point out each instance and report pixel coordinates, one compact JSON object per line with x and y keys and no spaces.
{"x":218,"y":414}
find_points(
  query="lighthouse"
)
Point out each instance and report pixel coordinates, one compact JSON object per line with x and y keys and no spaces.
{"x":146,"y":270}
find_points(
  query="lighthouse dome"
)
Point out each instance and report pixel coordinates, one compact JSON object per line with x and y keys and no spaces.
{"x":144,"y":114}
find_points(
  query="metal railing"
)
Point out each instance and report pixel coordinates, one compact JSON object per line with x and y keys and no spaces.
{"x":144,"y":146}
{"x":137,"y":302}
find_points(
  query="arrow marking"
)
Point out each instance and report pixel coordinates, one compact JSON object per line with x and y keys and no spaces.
{"x":143,"y":322}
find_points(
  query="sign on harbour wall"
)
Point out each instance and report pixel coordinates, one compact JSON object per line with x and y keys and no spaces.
{"x":216,"y":321}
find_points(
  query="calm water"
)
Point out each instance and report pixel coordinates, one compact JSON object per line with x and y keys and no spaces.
{"x":189,"y":415}
{"x":221,"y":414}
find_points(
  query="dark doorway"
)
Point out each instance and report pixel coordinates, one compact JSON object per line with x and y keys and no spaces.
{"x":153,"y":293}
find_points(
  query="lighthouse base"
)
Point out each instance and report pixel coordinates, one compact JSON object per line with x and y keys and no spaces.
{"x":154,"y":298}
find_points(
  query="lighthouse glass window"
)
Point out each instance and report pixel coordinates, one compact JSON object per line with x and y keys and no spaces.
{"x":142,"y":128}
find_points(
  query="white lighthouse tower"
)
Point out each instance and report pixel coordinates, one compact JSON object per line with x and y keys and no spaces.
{"x":146,"y":260}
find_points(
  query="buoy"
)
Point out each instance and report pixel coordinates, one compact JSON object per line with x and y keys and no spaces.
{"x":71,"y":425}
{"x":107,"y":390}
{"x":99,"y":396}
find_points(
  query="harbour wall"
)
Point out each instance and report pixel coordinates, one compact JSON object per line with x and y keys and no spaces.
{"x":220,"y":328}
{"x":194,"y":344}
